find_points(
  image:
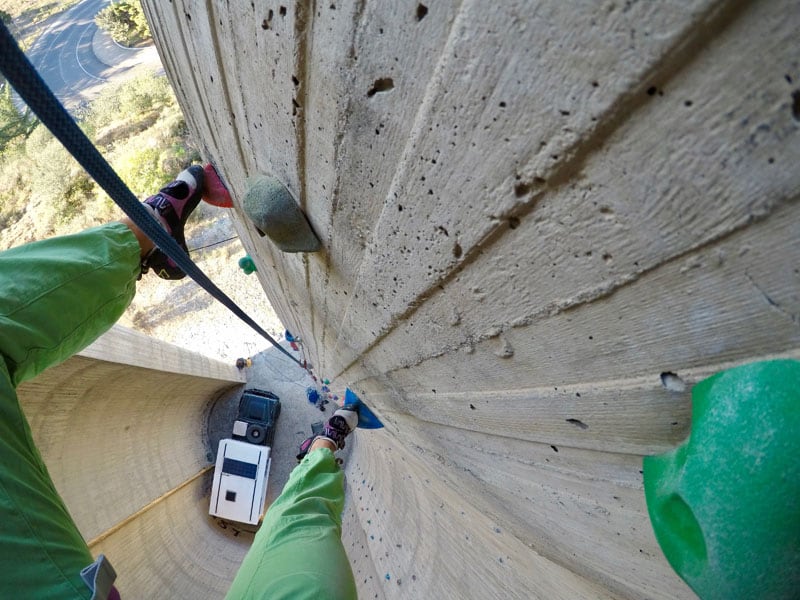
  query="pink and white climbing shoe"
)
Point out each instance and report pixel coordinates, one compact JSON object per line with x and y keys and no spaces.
{"x":171,"y":207}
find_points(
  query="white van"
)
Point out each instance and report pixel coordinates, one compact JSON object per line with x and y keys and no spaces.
{"x":240,"y":481}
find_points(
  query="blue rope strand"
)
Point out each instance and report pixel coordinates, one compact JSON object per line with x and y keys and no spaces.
{"x":22,"y":75}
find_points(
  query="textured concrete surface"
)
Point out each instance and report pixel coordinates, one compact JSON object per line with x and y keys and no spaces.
{"x":529,"y":212}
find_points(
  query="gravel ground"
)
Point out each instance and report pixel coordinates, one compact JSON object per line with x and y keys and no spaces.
{"x":182,"y":313}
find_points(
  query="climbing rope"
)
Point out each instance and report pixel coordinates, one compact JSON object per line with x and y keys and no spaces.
{"x":23,"y":77}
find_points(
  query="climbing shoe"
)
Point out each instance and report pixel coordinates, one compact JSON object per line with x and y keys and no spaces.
{"x":171,"y":207}
{"x":335,"y":430}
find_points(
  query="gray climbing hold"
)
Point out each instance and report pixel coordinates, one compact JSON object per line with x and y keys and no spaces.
{"x":275,"y":214}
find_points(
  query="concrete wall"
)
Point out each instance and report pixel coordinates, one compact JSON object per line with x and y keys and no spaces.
{"x":121,"y":427}
{"x":529,"y":212}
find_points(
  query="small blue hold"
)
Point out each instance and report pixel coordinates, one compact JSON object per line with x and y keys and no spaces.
{"x":388,"y":577}
{"x":312,"y":395}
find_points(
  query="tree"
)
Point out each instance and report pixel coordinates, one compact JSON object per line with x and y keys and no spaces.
{"x":124,"y":21}
{"x":13,"y":123}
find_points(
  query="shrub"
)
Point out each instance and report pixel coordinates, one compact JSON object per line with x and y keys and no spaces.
{"x":14,"y":125}
{"x":57,"y":179}
{"x":125,"y":22}
{"x":129,"y":101}
{"x":140,"y":168}
{"x":144,"y":93}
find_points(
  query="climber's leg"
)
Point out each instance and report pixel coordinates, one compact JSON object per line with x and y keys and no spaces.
{"x":298,"y":551}
{"x":56,"y":296}
{"x":59,"y":295}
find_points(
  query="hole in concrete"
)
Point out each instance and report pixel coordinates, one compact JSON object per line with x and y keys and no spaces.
{"x":687,"y":103}
{"x":578,"y":423}
{"x":796,"y":104}
{"x":282,"y":11}
{"x":672,"y":382}
{"x":422,"y":10}
{"x":513,"y":222}
{"x":651,"y":91}
{"x":554,"y":448}
{"x":295,"y":80}
{"x":502,"y":105}
{"x":521,"y":189}
{"x":384,"y":84}
{"x":457,"y":251}
{"x":472,"y":407}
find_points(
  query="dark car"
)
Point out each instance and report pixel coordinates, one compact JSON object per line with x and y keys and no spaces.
{"x":258,"y":416}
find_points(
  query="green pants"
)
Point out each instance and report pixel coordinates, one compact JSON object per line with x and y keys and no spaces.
{"x":298,"y":552}
{"x":56,"y":297}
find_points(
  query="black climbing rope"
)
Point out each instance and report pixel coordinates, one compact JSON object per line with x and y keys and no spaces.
{"x":22,"y":75}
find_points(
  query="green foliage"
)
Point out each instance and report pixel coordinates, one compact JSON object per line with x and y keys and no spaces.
{"x":14,"y":185}
{"x":140,"y":168}
{"x":145,"y":93}
{"x":125,"y":22}
{"x":5,"y":17}
{"x":129,"y":101}
{"x":139,"y":128}
{"x":60,"y":183}
{"x":13,"y":124}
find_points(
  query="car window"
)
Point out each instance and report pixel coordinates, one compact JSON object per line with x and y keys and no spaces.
{"x":257,"y":411}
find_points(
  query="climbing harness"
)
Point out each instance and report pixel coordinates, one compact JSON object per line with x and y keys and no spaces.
{"x":27,"y":82}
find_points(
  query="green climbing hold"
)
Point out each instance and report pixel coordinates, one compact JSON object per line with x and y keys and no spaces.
{"x":725,"y":504}
{"x":247,"y":265}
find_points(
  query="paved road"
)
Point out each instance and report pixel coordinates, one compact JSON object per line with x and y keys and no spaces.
{"x":65,"y":58}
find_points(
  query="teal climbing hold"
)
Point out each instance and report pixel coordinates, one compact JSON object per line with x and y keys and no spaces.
{"x":247,"y":265}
